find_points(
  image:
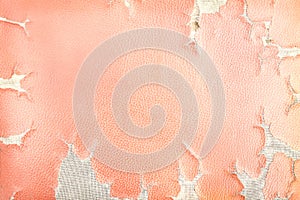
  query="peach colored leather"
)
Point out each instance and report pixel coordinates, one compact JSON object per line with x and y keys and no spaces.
{"x":61,"y":36}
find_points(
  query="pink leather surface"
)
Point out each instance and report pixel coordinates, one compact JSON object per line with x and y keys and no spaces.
{"x":61,"y":36}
